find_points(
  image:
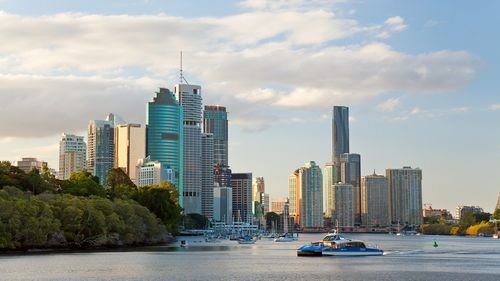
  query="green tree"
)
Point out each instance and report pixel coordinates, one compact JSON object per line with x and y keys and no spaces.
{"x":83,"y":184}
{"x":467,"y":219}
{"x":162,"y":200}
{"x":118,"y":178}
{"x":195,"y":221}
{"x":272,"y":221}
{"x":480,"y":217}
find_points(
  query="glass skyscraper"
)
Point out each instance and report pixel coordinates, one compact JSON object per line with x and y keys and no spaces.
{"x":165,"y":135}
{"x":215,"y":122}
{"x":340,"y":132}
{"x":101,"y":148}
{"x":311,"y":186}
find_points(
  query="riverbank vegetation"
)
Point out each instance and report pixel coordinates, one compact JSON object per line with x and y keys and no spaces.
{"x":39,"y":211}
{"x":471,"y":224}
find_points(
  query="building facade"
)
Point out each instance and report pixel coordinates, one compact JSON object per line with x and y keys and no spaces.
{"x":311,"y":186}
{"x":350,"y":173}
{"x":130,"y":146}
{"x":72,"y":155}
{"x":152,"y":172}
{"x":405,"y":195}
{"x":462,"y":209}
{"x":207,"y":173}
{"x":375,"y":210}
{"x":329,"y":179}
{"x":189,"y":97}
{"x":295,"y":194}
{"x":242,"y":197}
{"x":223,"y":204}
{"x":101,"y":148}
{"x":215,"y":122}
{"x":340,"y":132}
{"x":278,"y":204}
{"x":343,"y":204}
{"x":165,"y":135}
{"x":27,"y":164}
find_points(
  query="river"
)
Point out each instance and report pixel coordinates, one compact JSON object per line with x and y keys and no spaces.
{"x":406,"y":258}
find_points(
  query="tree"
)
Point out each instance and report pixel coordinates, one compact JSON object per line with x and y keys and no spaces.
{"x":480,"y":217}
{"x":83,"y":184}
{"x":119,"y":184}
{"x":272,"y":221}
{"x":195,"y":221}
{"x":467,"y":219}
{"x":162,"y":200}
{"x":496,"y":214}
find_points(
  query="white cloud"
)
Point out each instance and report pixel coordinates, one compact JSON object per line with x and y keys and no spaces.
{"x":389,"y":105}
{"x":495,"y":106}
{"x":419,"y":113}
{"x":269,"y":57}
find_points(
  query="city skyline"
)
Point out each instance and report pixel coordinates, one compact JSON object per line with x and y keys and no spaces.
{"x":436,"y":114}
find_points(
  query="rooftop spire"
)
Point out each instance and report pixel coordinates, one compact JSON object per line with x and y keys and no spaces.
{"x":181,"y":75}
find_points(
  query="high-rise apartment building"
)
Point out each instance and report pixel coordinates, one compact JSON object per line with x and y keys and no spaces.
{"x":340,"y":132}
{"x":242,"y":197}
{"x":343,"y":203}
{"x":375,"y":201}
{"x":260,"y":197}
{"x":311,"y":185}
{"x":207,"y":173}
{"x":405,"y":195}
{"x":72,"y":155}
{"x":101,"y":147}
{"x":295,"y":193}
{"x":329,"y":179}
{"x":165,"y":135}
{"x":215,"y":122}
{"x":28,"y":163}
{"x":223,"y":204}
{"x":152,"y":172}
{"x":350,"y":173}
{"x":130,"y":146}
{"x":278,"y":204}
{"x":189,"y":97}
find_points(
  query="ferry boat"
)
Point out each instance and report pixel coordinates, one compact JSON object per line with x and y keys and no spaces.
{"x":334,"y":244}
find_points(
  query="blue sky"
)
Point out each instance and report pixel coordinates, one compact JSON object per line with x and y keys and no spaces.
{"x":420,"y":77}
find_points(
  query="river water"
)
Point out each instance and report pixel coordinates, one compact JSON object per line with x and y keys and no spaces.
{"x":406,"y":258}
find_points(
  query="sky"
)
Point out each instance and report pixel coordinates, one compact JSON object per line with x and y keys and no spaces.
{"x":421,"y":79}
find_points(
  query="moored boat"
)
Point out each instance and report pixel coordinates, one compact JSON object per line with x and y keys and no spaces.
{"x":247,"y":239}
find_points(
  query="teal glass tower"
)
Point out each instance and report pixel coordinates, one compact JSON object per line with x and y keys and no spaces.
{"x":165,"y":135}
{"x":215,"y":122}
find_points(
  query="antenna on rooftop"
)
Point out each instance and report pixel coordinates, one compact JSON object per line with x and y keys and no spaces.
{"x":181,"y":75}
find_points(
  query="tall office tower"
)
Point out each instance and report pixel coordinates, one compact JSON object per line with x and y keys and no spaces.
{"x":329,"y":179}
{"x":152,"y":172}
{"x":207,"y":173}
{"x":72,"y":155}
{"x":350,"y":173}
{"x":222,"y":175}
{"x":340,"y":132}
{"x":311,"y":186}
{"x":101,"y":147}
{"x":223,"y":204}
{"x":343,"y":203}
{"x":375,"y":201}
{"x":260,"y":197}
{"x":405,"y":195}
{"x":242,"y":197}
{"x":295,"y":196}
{"x":215,"y":122}
{"x":165,"y":135}
{"x":27,"y":164}
{"x":189,"y":97}
{"x":130,"y":146}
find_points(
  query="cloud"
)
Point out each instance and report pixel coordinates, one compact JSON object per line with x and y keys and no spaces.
{"x":495,"y":107}
{"x":65,"y":69}
{"x":389,"y":105}
{"x":419,"y":113}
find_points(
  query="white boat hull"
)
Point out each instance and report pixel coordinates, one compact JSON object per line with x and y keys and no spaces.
{"x":346,"y":253}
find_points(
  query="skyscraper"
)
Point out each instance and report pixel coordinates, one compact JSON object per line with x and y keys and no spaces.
{"x":101,"y":147}
{"x":311,"y":186}
{"x":215,"y":122}
{"x":375,"y":201}
{"x":340,"y":132}
{"x":329,"y":179}
{"x":130,"y":146}
{"x":207,"y":165}
{"x":223,"y":204}
{"x":343,"y":202}
{"x":242,"y":197}
{"x":189,"y":97}
{"x":350,"y":173}
{"x":72,"y":155}
{"x":295,"y":194}
{"x":165,"y":135}
{"x":498,"y":202}
{"x":405,"y":193}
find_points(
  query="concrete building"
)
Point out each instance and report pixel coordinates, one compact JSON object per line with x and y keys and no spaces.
{"x":277,"y":205}
{"x":223,"y":204}
{"x":207,"y":173}
{"x":375,"y":210}
{"x":295,"y":194}
{"x":189,"y":97}
{"x":130,"y":146}
{"x":242,"y":197}
{"x":215,"y":122}
{"x":285,"y":214}
{"x":350,"y":173}
{"x":260,"y":197}
{"x":311,"y":186}
{"x":343,"y":204}
{"x":431,"y":212}
{"x":165,"y":135}
{"x":498,"y":202}
{"x":405,"y":195}
{"x":27,"y":164}
{"x":462,"y":209}
{"x":101,"y":147}
{"x":72,"y":155}
{"x":152,"y":172}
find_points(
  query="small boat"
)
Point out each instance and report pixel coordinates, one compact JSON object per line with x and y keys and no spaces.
{"x":285,"y":238}
{"x":184,"y":243}
{"x":351,"y":248}
{"x":247,"y":239}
